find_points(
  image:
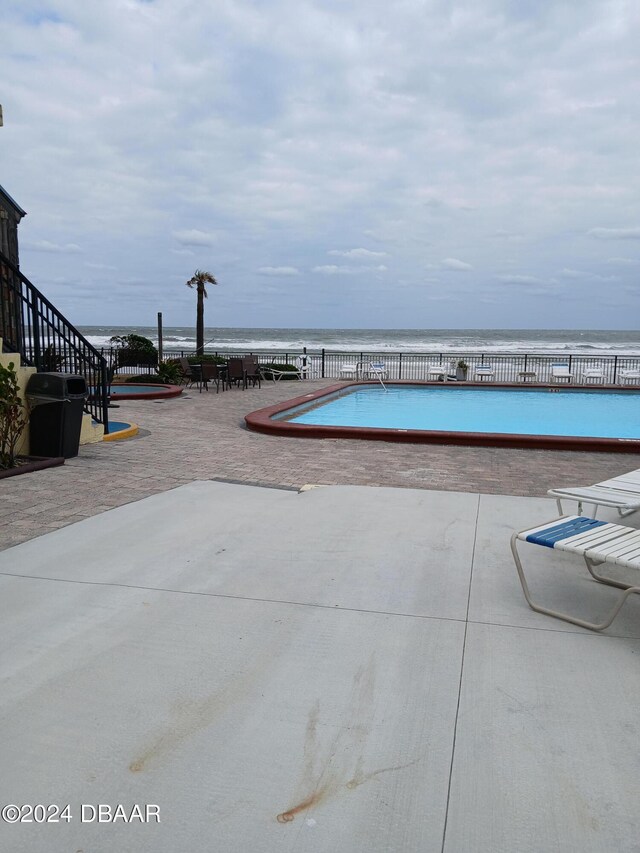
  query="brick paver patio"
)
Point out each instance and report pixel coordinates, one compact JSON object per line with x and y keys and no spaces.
{"x":202,"y":436}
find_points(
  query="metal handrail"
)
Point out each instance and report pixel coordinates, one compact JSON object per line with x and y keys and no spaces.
{"x":32,"y":326}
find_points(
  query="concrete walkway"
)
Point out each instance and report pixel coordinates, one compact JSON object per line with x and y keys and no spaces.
{"x":345,"y":668}
{"x":201,"y":436}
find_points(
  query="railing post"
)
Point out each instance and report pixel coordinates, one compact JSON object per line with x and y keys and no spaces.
{"x":322,"y":370}
{"x":400,"y":367}
{"x":35,"y":334}
{"x":615,"y":368}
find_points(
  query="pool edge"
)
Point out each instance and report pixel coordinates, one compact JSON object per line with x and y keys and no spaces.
{"x":262,"y":421}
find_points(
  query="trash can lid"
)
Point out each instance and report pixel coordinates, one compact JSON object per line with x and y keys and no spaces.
{"x":57,"y":386}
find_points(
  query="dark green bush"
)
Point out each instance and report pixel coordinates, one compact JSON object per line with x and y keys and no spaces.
{"x":148,"y":379}
{"x":206,"y":359}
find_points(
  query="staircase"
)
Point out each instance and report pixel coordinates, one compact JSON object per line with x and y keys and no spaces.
{"x":90,"y":432}
{"x":36,"y":337}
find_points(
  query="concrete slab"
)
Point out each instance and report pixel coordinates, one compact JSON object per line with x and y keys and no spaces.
{"x":252,"y":725}
{"x":546,"y":746}
{"x":301,"y":672}
{"x":345,"y":546}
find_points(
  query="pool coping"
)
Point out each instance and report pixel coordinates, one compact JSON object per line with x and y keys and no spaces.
{"x":164,"y":392}
{"x":262,"y":421}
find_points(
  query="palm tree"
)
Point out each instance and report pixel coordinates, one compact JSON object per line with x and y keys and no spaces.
{"x":200,"y":280}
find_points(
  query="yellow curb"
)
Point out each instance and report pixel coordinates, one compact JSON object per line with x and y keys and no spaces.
{"x":122,"y":433}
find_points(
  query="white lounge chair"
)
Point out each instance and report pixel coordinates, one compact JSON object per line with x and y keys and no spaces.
{"x":300,"y":369}
{"x":631,"y":376}
{"x":598,"y":542}
{"x":621,"y":493}
{"x":593,"y":374}
{"x":561,"y":371}
{"x":484,"y":371}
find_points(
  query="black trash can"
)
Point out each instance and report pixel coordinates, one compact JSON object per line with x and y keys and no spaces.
{"x":56,"y":402}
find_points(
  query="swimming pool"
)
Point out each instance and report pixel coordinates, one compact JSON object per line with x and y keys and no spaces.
{"x":516,"y":417}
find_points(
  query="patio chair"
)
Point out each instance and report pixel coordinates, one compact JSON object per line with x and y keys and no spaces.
{"x":438,"y":371}
{"x":593,"y":374}
{"x":632,"y":376}
{"x":186,"y":373}
{"x":210,"y":373}
{"x":484,"y":371}
{"x":598,"y":542}
{"x":375,"y":370}
{"x":561,"y":371}
{"x":252,"y":371}
{"x":621,"y":493}
{"x":236,"y":373}
{"x":351,"y":371}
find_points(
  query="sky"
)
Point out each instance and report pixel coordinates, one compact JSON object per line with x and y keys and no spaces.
{"x":339,"y":163}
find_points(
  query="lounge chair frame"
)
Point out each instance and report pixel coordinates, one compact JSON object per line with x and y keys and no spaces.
{"x":621,"y":493}
{"x":598,"y":543}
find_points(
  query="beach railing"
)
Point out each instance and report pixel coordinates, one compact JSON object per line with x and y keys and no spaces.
{"x":586,"y":370}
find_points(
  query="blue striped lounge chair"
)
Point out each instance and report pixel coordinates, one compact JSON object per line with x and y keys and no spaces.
{"x":598,"y":542}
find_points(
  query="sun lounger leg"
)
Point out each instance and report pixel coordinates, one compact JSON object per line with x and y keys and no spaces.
{"x":593,"y":626}
{"x":603,"y":578}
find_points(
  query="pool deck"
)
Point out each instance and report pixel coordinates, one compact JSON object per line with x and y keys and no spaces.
{"x":202,"y":436}
{"x":340,"y":668}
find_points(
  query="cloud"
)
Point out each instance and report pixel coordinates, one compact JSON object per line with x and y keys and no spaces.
{"x":624,"y":262}
{"x":455,"y":264}
{"x":332,"y":269}
{"x":514,"y":278}
{"x":358,"y":253}
{"x":425,"y":134}
{"x":54,"y":248}
{"x":195,"y":237}
{"x":615,"y":233}
{"x":278,"y":271}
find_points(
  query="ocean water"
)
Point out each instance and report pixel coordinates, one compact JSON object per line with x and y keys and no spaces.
{"x":505,"y":341}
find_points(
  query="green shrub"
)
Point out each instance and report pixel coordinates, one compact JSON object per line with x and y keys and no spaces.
{"x":206,"y":359}
{"x":170,"y":371}
{"x":137,"y":343}
{"x":147,"y":379}
{"x":12,"y":416}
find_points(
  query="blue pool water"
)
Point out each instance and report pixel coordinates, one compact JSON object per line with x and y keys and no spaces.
{"x":541,"y":412}
{"x":125,"y":390}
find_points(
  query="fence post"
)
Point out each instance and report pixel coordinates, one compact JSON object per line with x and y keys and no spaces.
{"x":322,"y":370}
{"x":400,"y":367}
{"x":615,"y":368}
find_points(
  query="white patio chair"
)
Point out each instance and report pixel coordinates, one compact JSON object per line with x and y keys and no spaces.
{"x":375,"y":370}
{"x":632,"y":376}
{"x":438,"y":371}
{"x":598,"y":542}
{"x":484,"y":371}
{"x":593,"y":374}
{"x":621,"y":493}
{"x":560,"y":372}
{"x":351,"y":371}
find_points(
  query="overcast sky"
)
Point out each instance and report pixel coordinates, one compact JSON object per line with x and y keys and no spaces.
{"x":340,"y":163}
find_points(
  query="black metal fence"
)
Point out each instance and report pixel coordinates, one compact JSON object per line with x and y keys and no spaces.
{"x":618,"y":369}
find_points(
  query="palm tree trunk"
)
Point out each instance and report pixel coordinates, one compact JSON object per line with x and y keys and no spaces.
{"x":200,"y":321}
